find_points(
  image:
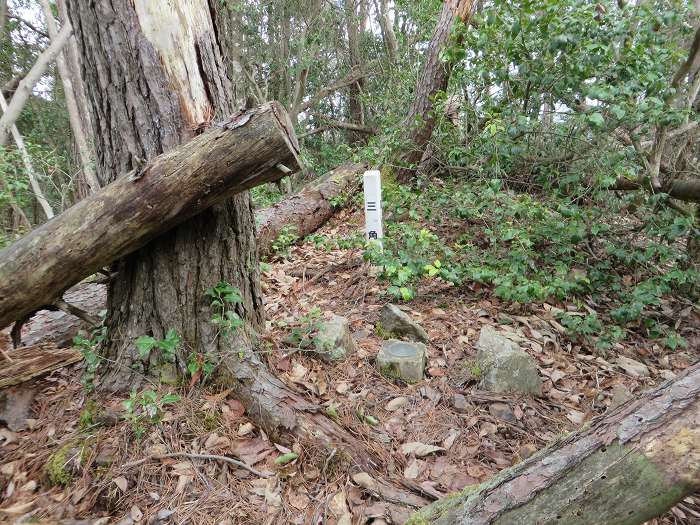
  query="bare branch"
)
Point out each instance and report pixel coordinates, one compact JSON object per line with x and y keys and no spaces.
{"x":29,"y":25}
{"x":213,"y":457}
{"x":355,"y":74}
{"x":27,"y":84}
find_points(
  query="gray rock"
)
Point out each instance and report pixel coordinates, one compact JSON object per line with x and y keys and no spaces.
{"x":502,"y":411}
{"x":334,"y":341}
{"x":402,"y":360}
{"x":632,"y":367}
{"x":399,"y":324}
{"x":504,"y":367}
{"x":461,"y":405}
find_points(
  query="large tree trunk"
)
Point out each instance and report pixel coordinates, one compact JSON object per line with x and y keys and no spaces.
{"x":154,"y":75}
{"x":170,"y":90}
{"x":629,"y":466}
{"x":433,"y":79}
{"x":125,"y":215}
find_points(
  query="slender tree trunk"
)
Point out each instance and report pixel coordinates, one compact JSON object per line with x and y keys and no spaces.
{"x":629,"y":466}
{"x":354,"y":30}
{"x":286,"y":36}
{"x":3,"y":16}
{"x":28,"y":167}
{"x":388,"y":35}
{"x":162,"y":286}
{"x":76,"y":123}
{"x":24,"y":90}
{"x":433,"y":79}
{"x":72,"y":56}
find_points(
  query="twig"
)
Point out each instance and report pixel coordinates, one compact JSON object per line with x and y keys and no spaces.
{"x":5,"y":355}
{"x":77,"y":312}
{"x":197,"y":456}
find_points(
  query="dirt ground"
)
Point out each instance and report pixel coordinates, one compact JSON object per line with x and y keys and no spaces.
{"x":61,"y":472}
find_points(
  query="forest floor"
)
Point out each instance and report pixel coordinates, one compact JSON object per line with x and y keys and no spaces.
{"x":70,"y":465}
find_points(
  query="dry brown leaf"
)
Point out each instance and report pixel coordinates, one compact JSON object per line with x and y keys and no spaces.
{"x":413,"y":470}
{"x":419,"y":449}
{"x":18,"y":509}
{"x":7,"y":436}
{"x":136,"y":513}
{"x":576,"y":417}
{"x":450,"y":439}
{"x":182,"y":482}
{"x":121,"y":482}
{"x":365,"y":481}
{"x":237,"y":409}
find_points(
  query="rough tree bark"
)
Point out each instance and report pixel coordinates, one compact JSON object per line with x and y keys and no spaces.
{"x":76,"y":123}
{"x":126,"y":214}
{"x":26,"y":85}
{"x":684,"y":190}
{"x":433,"y":79}
{"x":629,"y":466}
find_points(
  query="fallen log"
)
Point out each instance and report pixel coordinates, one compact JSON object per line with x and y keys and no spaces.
{"x":34,"y":361}
{"x":252,"y":148}
{"x":305,"y":211}
{"x":309,"y":209}
{"x":629,"y":466}
{"x":687,"y":190}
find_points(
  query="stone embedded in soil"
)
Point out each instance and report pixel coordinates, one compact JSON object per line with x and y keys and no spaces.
{"x":398,"y":323}
{"x":504,"y":367}
{"x":402,"y":360}
{"x":334,"y":341}
{"x":502,"y":411}
{"x":632,"y":367}
{"x":460,"y":404}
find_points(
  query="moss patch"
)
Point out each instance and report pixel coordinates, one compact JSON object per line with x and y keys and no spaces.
{"x":57,"y":466}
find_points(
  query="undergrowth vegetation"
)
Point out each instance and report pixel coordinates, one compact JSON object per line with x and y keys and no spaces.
{"x":616,"y":266}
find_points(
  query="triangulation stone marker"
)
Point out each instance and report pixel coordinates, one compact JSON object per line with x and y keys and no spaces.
{"x":402,"y":360}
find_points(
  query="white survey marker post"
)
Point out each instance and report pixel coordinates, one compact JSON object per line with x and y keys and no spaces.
{"x":373,"y":206}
